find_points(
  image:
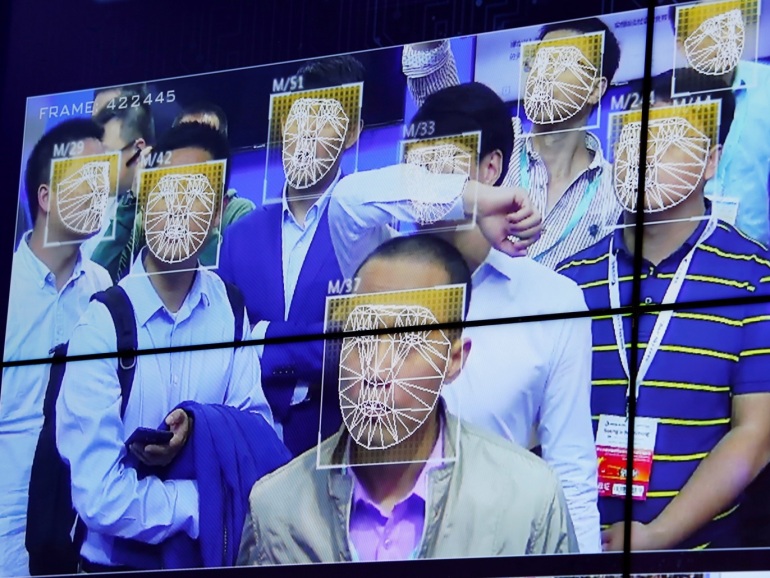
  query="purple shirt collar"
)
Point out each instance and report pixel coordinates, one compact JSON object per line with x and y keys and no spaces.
{"x":374,"y":535}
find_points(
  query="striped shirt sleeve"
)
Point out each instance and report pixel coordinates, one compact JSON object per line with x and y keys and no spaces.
{"x":752,"y":374}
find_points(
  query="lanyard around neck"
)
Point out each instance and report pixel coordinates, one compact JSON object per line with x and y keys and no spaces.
{"x":664,"y":317}
{"x":577,"y":215}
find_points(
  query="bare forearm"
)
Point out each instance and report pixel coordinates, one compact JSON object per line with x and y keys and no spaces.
{"x":714,"y":485}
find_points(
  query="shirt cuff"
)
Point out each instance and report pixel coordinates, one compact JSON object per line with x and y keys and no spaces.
{"x":259,"y":332}
{"x":300,"y":394}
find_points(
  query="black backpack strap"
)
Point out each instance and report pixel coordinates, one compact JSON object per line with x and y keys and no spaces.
{"x":55,"y":378}
{"x":238,"y":305}
{"x":122,"y":312}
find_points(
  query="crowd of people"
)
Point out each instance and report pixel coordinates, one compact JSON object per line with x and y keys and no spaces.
{"x":492,"y":439}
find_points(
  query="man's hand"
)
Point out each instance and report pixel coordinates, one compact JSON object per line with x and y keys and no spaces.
{"x":505,"y":216}
{"x":180,"y":425}
{"x":643,"y":537}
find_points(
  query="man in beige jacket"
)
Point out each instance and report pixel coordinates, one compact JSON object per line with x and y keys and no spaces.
{"x":404,"y":479}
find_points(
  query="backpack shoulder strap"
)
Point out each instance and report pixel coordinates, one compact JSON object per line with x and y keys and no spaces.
{"x":238,"y":305}
{"x":122,"y":312}
{"x":55,"y":378}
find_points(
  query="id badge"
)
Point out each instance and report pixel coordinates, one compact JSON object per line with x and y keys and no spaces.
{"x":612,"y":452}
{"x":725,"y":208}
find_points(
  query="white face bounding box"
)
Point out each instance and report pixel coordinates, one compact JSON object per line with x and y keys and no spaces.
{"x":716,"y":46}
{"x":444,"y":158}
{"x":558,"y":84}
{"x":389,"y":384}
{"x":82,"y":197}
{"x":313,"y":139}
{"x":179,"y":212}
{"x":676,"y":160}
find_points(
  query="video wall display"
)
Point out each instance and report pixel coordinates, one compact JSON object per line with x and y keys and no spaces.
{"x":488,"y":296}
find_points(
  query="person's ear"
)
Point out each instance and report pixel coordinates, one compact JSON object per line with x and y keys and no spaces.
{"x":461,"y":348}
{"x":353,"y":135}
{"x":216,"y":218}
{"x":44,"y":198}
{"x":490,"y":167}
{"x":712,"y":162}
{"x":598,"y":90}
{"x":140,"y":144}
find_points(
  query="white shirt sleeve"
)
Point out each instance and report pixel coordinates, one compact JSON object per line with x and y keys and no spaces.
{"x":90,"y":437}
{"x":245,"y":388}
{"x":364,"y":205}
{"x":565,"y":430}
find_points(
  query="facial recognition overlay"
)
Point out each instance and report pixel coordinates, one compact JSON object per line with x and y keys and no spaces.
{"x":456,"y":154}
{"x":678,"y":143}
{"x":83,"y":188}
{"x":306,"y":136}
{"x":715,"y":36}
{"x":558,"y":76}
{"x":389,"y":383}
{"x":178,"y":207}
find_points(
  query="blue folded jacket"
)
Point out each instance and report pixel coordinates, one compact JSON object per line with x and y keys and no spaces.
{"x":227,"y":452}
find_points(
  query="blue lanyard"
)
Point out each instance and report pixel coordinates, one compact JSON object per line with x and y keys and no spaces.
{"x":580,"y":210}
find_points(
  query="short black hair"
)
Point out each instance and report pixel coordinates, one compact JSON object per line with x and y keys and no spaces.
{"x":195,"y":135}
{"x":201,"y":108}
{"x":135,"y":119}
{"x":470,"y":107}
{"x":689,"y":80}
{"x":427,"y":248}
{"x":38,"y":170}
{"x":611,"y":56}
{"x":333,"y":71}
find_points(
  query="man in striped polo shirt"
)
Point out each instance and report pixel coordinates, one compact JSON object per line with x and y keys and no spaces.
{"x":703,"y":387}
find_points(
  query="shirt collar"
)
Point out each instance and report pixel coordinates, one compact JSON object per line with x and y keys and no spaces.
{"x":319,"y":204}
{"x":147,"y":302}
{"x":420,"y":489}
{"x":744,"y":74}
{"x":40,"y":272}
{"x":619,"y":242}
{"x":592,"y":144}
{"x":498,"y":261}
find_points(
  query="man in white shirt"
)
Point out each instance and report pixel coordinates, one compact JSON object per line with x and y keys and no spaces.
{"x":176,"y":303}
{"x":522,"y":380}
{"x":51,"y":284}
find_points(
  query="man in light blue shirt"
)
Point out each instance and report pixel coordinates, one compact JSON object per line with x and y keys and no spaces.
{"x":51,"y":284}
{"x":176,"y":303}
{"x":739,"y":190}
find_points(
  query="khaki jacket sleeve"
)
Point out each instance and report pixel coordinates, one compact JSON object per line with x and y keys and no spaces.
{"x":554,"y":533}
{"x":247,"y":553}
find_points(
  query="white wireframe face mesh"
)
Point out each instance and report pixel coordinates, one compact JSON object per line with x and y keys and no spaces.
{"x":677,"y":153}
{"x":444,"y":158}
{"x":389,"y":384}
{"x":716,"y":46}
{"x":178,"y":215}
{"x":313,"y":139}
{"x":81,"y":198}
{"x":558,"y":85}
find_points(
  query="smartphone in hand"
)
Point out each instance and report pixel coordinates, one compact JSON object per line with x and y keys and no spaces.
{"x":145,"y":436}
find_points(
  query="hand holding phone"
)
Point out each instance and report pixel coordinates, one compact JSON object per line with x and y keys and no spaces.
{"x":145,"y":436}
{"x":162,"y":454}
